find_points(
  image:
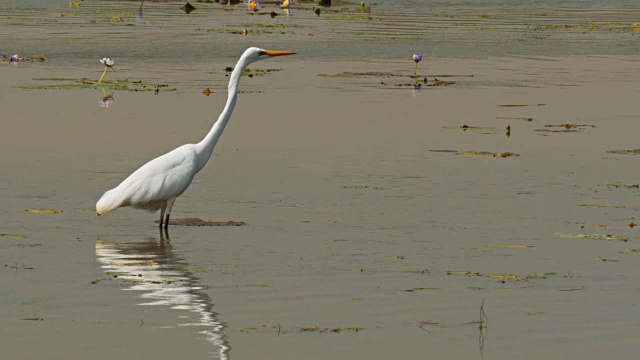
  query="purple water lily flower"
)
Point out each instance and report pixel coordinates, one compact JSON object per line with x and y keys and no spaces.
{"x":417,"y":58}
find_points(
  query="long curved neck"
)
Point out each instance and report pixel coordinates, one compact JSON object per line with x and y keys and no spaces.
{"x":205,"y":147}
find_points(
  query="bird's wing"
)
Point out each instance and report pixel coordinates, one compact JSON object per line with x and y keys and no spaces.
{"x":162,"y":178}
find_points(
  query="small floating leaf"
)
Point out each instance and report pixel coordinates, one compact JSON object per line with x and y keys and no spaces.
{"x":509,"y":246}
{"x":32,"y":318}
{"x":43,"y":211}
{"x":512,"y":105}
{"x":630,"y":251}
{"x":310,"y":328}
{"x":514,"y":118}
{"x":445,"y":151}
{"x":633,"y":186}
{"x":349,"y":329}
{"x":502,"y":276}
{"x":422,"y":289}
{"x":572,"y":289}
{"x":625,"y":152}
{"x":17,"y":236}
{"x":463,"y":273}
{"x":596,"y":236}
{"x":467,"y":127}
{"x":604,"y":259}
{"x":593,"y":206}
{"x":487,"y":153}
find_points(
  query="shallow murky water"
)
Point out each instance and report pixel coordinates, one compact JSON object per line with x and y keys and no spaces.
{"x":353,"y":223}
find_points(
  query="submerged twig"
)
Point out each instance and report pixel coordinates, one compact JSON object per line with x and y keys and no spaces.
{"x":482,"y":327}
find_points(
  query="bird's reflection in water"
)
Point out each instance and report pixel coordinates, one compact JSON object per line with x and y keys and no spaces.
{"x":164,"y":280}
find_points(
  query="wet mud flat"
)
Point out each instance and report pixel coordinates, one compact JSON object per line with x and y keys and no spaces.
{"x":379,"y":217}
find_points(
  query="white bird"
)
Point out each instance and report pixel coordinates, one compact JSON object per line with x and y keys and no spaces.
{"x":156,"y":185}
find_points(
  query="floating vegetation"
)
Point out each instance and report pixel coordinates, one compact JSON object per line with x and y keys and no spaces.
{"x":425,"y":82}
{"x":625,"y":152}
{"x":377,"y":74}
{"x":502,"y":276}
{"x":444,"y":151}
{"x":261,"y":326}
{"x":200,"y":222}
{"x":466,"y":127}
{"x":422,"y":289}
{"x":487,"y":153}
{"x":361,"y":187}
{"x":604,"y":259}
{"x":618,"y":186}
{"x":597,"y":236}
{"x":630,"y":251}
{"x":17,"y":58}
{"x":84,"y":83}
{"x":593,"y":206}
{"x":17,"y":236}
{"x":247,"y":72}
{"x":338,"y":330}
{"x":514,"y":118}
{"x":32,"y":319}
{"x":572,"y":289}
{"x":564,"y":128}
{"x":463,"y":273}
{"x":349,"y":74}
{"x":509,"y":246}
{"x":590,"y":26}
{"x":43,"y":211}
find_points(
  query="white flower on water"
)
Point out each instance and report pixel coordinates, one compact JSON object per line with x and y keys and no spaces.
{"x":107,"y":62}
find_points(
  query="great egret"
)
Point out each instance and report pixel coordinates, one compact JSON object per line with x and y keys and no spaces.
{"x":156,"y":185}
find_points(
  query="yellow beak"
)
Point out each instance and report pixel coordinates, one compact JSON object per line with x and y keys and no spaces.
{"x":278,"y":52}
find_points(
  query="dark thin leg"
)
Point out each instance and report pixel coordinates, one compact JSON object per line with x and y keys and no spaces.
{"x":162,"y":215}
{"x":166,"y":222}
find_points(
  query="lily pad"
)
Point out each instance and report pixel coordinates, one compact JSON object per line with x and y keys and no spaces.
{"x":200,"y":222}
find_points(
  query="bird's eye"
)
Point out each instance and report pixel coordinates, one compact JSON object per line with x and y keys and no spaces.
{"x":262,"y":52}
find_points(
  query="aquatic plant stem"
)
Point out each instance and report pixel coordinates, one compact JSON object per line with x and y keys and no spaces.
{"x":415,"y":70}
{"x":103,"y":74}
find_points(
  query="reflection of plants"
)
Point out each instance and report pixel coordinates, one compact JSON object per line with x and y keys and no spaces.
{"x":108,"y":63}
{"x":107,"y":99}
